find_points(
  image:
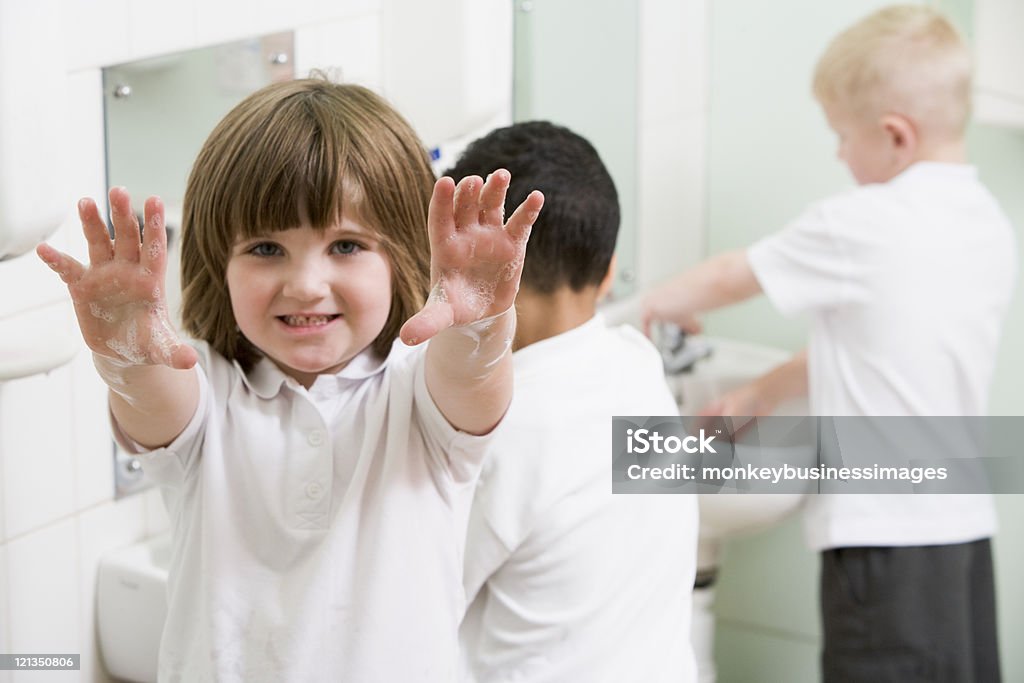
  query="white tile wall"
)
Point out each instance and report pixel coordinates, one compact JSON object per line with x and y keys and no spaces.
{"x":156,"y":27}
{"x":93,"y":446}
{"x":5,"y":618}
{"x":227,"y":20}
{"x":95,"y":33}
{"x":671,"y":164}
{"x":57,"y":513}
{"x":88,"y":172}
{"x":44,"y":597}
{"x":672,"y":64}
{"x":347,"y":49}
{"x":36,"y":445}
{"x":672,"y":102}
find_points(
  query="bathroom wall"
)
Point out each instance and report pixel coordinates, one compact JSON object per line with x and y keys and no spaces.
{"x":770,"y":154}
{"x":57,"y":509}
{"x":640,"y":99}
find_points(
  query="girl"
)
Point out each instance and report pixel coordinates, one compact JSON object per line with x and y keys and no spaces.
{"x":316,"y":474}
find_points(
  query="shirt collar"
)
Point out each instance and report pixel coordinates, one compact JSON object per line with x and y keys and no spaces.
{"x":266,"y":379}
{"x":569,"y":339}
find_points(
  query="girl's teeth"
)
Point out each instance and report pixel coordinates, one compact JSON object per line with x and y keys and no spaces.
{"x":307,"y":320}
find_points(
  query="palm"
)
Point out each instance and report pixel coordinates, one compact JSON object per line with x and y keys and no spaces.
{"x":119,"y":296}
{"x":476,"y":257}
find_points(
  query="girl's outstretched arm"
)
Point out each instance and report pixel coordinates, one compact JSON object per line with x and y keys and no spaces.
{"x":476,"y":259}
{"x":122,"y":312}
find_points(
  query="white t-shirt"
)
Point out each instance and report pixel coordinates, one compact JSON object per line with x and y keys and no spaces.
{"x":907,"y":284}
{"x":317,"y":535}
{"x":567,"y":581}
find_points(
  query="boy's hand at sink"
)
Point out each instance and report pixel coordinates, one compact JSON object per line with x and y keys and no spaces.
{"x":765,"y":394}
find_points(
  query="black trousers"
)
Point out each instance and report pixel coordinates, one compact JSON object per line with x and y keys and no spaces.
{"x":909,"y":614}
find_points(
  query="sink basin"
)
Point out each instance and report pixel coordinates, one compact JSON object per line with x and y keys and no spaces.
{"x":131,"y":605}
{"x":731,"y":364}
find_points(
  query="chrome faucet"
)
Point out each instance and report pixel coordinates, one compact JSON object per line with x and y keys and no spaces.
{"x":679,"y":353}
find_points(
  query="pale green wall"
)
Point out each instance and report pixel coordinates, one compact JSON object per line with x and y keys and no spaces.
{"x":568,"y":71}
{"x":770,"y":151}
{"x":771,"y":154}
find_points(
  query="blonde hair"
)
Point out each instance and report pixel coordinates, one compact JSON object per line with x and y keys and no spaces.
{"x":296,"y":152}
{"x":905,"y":59}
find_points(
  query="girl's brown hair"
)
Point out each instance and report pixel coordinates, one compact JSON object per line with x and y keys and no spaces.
{"x":302,"y":152}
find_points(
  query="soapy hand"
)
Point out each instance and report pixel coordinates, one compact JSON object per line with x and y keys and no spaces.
{"x":476,"y":258}
{"x":119,"y":297}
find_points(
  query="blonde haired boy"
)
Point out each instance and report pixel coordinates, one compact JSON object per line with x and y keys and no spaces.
{"x":906,"y":281}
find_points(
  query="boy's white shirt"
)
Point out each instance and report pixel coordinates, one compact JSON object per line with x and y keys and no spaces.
{"x":317,"y":535}
{"x":907,"y":284}
{"x":568,"y":582}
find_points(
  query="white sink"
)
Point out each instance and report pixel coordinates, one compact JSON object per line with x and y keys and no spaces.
{"x":731,"y":364}
{"x":131,"y":605}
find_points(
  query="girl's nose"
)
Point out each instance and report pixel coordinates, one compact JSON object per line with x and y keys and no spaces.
{"x":307,"y":282}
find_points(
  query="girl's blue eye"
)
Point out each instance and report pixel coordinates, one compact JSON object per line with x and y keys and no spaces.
{"x":345,"y":247}
{"x":264,"y":249}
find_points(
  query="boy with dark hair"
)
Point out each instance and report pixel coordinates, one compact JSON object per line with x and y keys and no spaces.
{"x":565,"y":581}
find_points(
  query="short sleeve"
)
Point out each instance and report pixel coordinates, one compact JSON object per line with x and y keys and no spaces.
{"x":805,"y":266}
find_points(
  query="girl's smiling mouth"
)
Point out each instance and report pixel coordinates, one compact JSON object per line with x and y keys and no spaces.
{"x":308,"y":320}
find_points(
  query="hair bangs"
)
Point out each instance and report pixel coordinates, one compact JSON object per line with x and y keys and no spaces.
{"x":293,"y":173}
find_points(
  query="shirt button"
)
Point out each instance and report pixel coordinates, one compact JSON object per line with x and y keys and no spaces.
{"x":314,"y":490}
{"x":315,"y":437}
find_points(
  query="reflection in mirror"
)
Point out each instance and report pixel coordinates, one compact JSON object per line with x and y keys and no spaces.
{"x":159,"y":111}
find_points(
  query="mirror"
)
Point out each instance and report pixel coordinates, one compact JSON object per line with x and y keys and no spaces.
{"x":569,"y":78}
{"x":187,"y":93}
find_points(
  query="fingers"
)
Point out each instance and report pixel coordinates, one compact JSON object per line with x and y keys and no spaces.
{"x":467,"y":201}
{"x":435,"y":317}
{"x":154,"y":237}
{"x":492,"y":197}
{"x":69,"y":269}
{"x":127,"y":238}
{"x":94,"y":228}
{"x":525,"y":215}
{"x":441,"y":218}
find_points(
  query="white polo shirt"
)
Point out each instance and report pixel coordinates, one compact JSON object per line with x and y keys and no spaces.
{"x":317,"y":535}
{"x":907,"y":284}
{"x":569,"y":582}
